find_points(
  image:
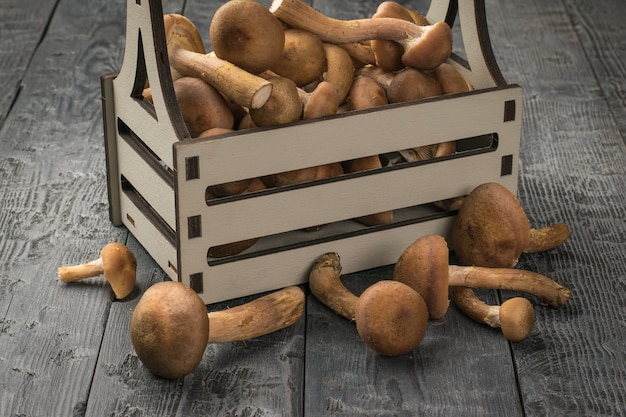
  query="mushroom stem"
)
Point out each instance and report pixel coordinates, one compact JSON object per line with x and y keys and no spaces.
{"x":547,"y":238}
{"x":529,"y":282}
{"x":242,"y":87}
{"x":77,"y":272}
{"x":515,"y":317}
{"x":425,"y":46}
{"x":325,"y":283}
{"x":259,"y":317}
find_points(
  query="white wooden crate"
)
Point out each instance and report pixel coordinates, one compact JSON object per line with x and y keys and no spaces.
{"x":158,"y":176}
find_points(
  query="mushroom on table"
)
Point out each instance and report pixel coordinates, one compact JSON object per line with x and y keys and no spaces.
{"x":116,"y":262}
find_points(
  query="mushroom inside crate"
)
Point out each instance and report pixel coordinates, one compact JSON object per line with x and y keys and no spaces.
{"x":274,"y":89}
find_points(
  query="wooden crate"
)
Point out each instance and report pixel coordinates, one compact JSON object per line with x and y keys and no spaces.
{"x":157,"y":175}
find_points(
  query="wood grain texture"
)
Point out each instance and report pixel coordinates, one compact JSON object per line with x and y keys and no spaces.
{"x":64,"y":349}
{"x":22,"y":25}
{"x":572,"y":170}
{"x":54,"y":211}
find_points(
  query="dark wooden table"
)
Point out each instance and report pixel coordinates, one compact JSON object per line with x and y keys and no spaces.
{"x":65,"y":349}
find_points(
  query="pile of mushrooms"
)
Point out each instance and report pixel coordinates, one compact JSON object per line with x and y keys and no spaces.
{"x":490,"y":233}
{"x":289,"y":62}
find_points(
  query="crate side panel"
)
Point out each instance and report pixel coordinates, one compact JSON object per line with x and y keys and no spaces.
{"x":153,"y":241}
{"x":157,"y":192}
{"x":325,"y":203}
{"x":348,"y":136}
{"x":277,"y":270}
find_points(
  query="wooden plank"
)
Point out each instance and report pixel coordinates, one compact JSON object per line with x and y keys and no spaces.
{"x":572,"y":170}
{"x":600,"y":28}
{"x":22,"y":24}
{"x":53,"y":212}
{"x":460,"y":368}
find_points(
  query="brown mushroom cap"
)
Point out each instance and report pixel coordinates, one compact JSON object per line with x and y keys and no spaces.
{"x":430,"y":49}
{"x":120,"y":268}
{"x":169,"y":329}
{"x":202,"y":106}
{"x":491,"y":228}
{"x":423,"y":266}
{"x":517,"y":318}
{"x":245,"y":33}
{"x":303,"y":59}
{"x":391,"y":318}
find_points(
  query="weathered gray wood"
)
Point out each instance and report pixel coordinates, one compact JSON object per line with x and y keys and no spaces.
{"x":572,"y":170}
{"x":54,"y":211}
{"x":22,"y":24}
{"x":460,"y":367}
{"x":601,"y":31}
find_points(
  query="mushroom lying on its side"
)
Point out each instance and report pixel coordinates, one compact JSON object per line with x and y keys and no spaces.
{"x":116,"y":262}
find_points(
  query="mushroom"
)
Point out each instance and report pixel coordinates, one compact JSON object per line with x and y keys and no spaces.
{"x":240,"y":86}
{"x":283,"y":106}
{"x":170,"y":327}
{"x":245,"y":33}
{"x":390,"y":317}
{"x":547,"y":238}
{"x":116,"y":262}
{"x":322,"y":101}
{"x":303,"y":58}
{"x":515,"y":317}
{"x":382,"y":77}
{"x":450,"y":79}
{"x":202,"y":106}
{"x":360,"y":52}
{"x":421,"y":265}
{"x":425,"y":46}
{"x":492,"y":230}
{"x":366,"y":93}
{"x":189,"y":39}
{"x":389,"y":53}
{"x":339,"y":70}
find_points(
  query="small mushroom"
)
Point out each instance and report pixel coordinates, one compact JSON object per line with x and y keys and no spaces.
{"x":116,"y":262}
{"x":170,"y":327}
{"x":425,"y":46}
{"x":390,"y":317}
{"x":421,"y":267}
{"x":492,"y":230}
{"x":303,"y":59}
{"x":245,"y":33}
{"x":240,"y":86}
{"x":515,"y":317}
